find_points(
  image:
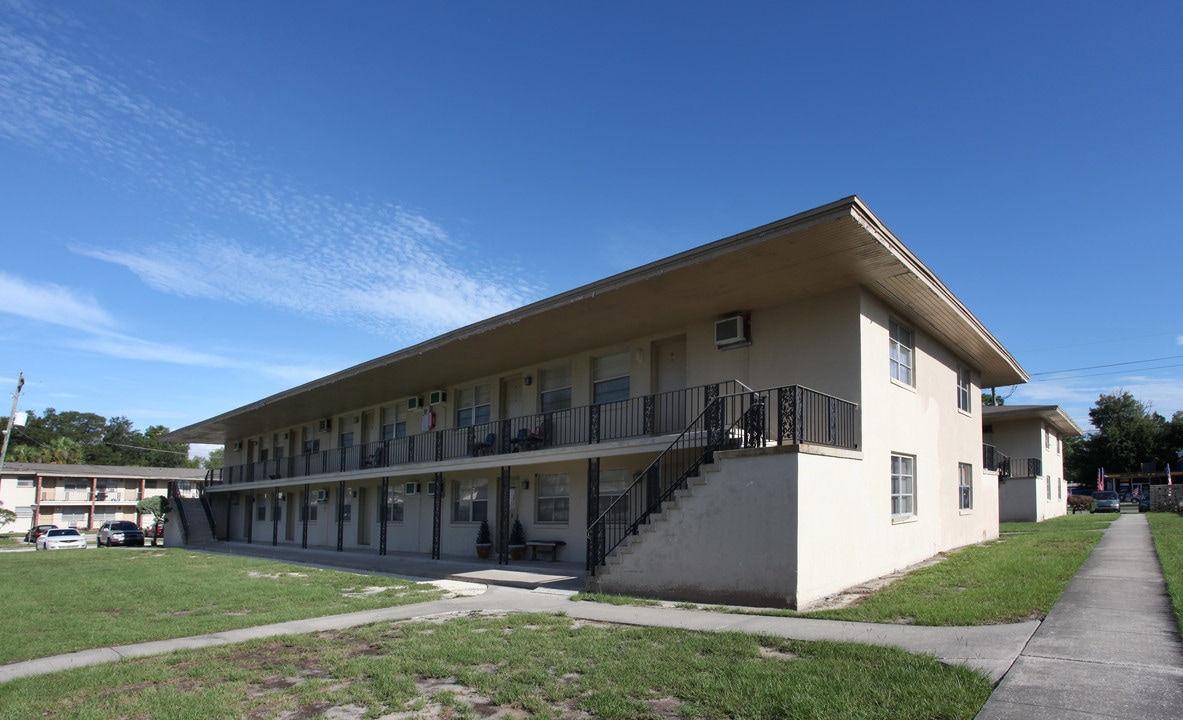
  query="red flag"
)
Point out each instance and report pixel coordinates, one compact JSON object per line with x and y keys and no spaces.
{"x":1100,"y":478}
{"x":1169,"y":475}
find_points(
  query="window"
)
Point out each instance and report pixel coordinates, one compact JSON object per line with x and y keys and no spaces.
{"x":311,"y":446}
{"x":346,"y":439}
{"x":1049,"y":487}
{"x":903,"y":486}
{"x":394,"y":506}
{"x":965,"y":486}
{"x":346,"y":512}
{"x":308,"y":513}
{"x":74,"y":518}
{"x":24,"y":511}
{"x":554,"y":388}
{"x":24,"y":482}
{"x":261,"y":510}
{"x":473,"y":406}
{"x":964,"y":383}
{"x":613,"y":483}
{"x":471,"y":500}
{"x":105,"y":515}
{"x":900,"y":346}
{"x":610,"y":378}
{"x":553,"y":500}
{"x":1047,"y":439}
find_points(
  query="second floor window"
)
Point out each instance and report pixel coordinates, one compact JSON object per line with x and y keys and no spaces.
{"x":473,"y":406}
{"x":610,"y":378}
{"x":900,"y":353}
{"x":554,"y":388}
{"x":964,"y":383}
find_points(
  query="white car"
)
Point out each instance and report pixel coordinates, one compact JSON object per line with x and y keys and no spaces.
{"x":61,"y":539}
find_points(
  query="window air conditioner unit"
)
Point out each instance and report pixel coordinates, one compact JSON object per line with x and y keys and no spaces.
{"x":415,"y":403}
{"x":411,"y":489}
{"x":322,"y":496}
{"x":237,"y":446}
{"x":325,"y":425}
{"x":730,"y":331}
{"x":438,"y":396}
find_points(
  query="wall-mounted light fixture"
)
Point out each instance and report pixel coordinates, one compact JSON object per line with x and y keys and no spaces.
{"x":529,"y":380}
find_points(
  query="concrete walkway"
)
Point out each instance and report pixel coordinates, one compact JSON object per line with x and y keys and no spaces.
{"x":1110,"y":646}
{"x":1080,"y":663}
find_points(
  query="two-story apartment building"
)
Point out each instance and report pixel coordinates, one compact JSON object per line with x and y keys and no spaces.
{"x":765,"y":419}
{"x":82,"y":496}
{"x":1033,"y":488}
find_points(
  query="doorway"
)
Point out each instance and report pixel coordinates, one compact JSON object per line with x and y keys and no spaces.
{"x":669,"y":376}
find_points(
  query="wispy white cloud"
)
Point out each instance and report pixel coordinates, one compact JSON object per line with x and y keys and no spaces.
{"x":54,"y":304}
{"x":250,"y":239}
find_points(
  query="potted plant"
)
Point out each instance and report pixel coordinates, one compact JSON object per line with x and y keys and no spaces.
{"x":484,"y":540}
{"x":517,"y":541}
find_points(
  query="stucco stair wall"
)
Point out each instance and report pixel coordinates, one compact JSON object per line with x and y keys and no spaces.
{"x":728,"y":537}
{"x":200,"y":532}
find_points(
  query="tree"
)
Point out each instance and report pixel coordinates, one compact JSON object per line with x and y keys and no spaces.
{"x":7,"y":517}
{"x":1127,"y":434}
{"x":216,"y":459}
{"x":76,"y":437}
{"x":160,"y":507}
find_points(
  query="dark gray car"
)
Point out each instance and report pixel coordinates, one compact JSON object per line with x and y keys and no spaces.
{"x":120,"y":532}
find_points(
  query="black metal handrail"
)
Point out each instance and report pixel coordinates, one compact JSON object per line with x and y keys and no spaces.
{"x":790,"y":415}
{"x":174,"y":497}
{"x":994,"y":460}
{"x":649,"y":415}
{"x":1022,"y":467}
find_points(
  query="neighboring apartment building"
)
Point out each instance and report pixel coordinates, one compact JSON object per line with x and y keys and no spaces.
{"x":81,"y":496}
{"x":1033,"y":487}
{"x":766,"y":419}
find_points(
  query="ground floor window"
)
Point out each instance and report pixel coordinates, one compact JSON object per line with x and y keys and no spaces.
{"x":903,"y":486}
{"x":261,"y":511}
{"x":553,"y":499}
{"x":613,"y":483}
{"x":394,"y":506}
{"x":74,"y":518}
{"x":308,"y":513}
{"x":965,"y":486}
{"x":102,"y":516}
{"x":471,"y":500}
{"x":1049,"y":487}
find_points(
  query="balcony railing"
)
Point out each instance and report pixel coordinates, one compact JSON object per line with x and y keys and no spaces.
{"x":994,"y":460}
{"x":59,"y":495}
{"x":1024,"y":467}
{"x":647,"y":416}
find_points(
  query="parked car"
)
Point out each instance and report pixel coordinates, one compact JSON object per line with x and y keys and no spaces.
{"x":61,"y":539}
{"x":120,"y":532}
{"x":37,"y":531}
{"x":1144,"y":502}
{"x":154,"y":530}
{"x":1106,"y":501}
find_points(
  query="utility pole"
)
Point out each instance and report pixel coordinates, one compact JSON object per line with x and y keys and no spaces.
{"x":16,"y":396}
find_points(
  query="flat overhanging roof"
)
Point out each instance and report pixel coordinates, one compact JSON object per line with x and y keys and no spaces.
{"x":825,"y":249}
{"x":1053,"y":415}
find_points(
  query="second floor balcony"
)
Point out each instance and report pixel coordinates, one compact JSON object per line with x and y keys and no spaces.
{"x":796,"y":415}
{"x":66,"y":496}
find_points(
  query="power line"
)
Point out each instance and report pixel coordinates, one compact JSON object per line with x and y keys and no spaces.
{"x":1097,"y":367}
{"x":1115,"y":372}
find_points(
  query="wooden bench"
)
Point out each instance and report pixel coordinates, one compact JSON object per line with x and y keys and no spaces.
{"x":551,"y":546}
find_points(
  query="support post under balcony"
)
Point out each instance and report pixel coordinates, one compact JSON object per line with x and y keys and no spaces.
{"x":503,"y":517}
{"x":437,"y":513}
{"x":383,"y":514}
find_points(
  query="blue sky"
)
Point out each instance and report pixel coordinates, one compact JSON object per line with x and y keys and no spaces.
{"x":204,"y":203}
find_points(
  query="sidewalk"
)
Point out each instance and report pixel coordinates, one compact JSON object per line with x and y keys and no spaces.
{"x":1110,"y":646}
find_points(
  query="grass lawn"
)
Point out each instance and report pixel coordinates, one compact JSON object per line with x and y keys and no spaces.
{"x":57,"y":602}
{"x":512,"y":666}
{"x":1167,"y":530}
{"x":1015,"y":578}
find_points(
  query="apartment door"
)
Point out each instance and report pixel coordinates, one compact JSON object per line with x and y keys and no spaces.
{"x":511,"y":397}
{"x":363,"y":518}
{"x":289,"y":527}
{"x":669,"y":371}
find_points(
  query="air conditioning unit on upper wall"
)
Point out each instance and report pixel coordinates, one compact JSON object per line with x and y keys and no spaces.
{"x":415,"y":403}
{"x":322,"y":496}
{"x":731,"y":331}
{"x":438,"y":396}
{"x":237,"y":446}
